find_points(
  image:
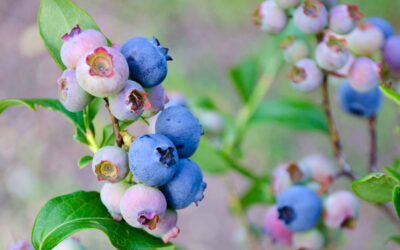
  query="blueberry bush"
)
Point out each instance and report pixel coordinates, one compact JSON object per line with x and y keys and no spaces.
{"x":148,"y":178}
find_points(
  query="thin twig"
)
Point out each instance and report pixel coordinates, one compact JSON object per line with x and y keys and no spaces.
{"x":116,"y":128}
{"x":373,"y":146}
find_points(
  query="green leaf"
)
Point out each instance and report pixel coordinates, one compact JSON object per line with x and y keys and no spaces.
{"x":391,"y":94}
{"x":258,"y":193}
{"x":94,"y":107}
{"x":395,"y":174}
{"x":396,"y":199}
{"x":57,"y":17}
{"x":298,"y":114}
{"x":84,"y":161}
{"x":395,"y":238}
{"x":65,"y":215}
{"x":374,"y":187}
{"x":107,"y":136}
{"x":206,"y":103}
{"x":208,"y":158}
{"x":244,"y":76}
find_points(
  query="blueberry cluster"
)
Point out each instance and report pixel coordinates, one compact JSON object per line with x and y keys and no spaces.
{"x":305,"y":206}
{"x":146,"y":185}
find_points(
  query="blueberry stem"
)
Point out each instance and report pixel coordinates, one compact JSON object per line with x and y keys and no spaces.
{"x":373,"y":157}
{"x":89,"y":133}
{"x":115,"y":123}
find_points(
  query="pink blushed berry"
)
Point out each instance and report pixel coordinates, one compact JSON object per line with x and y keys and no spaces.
{"x":391,"y":53}
{"x":310,"y":240}
{"x":275,"y":228}
{"x":77,"y":43}
{"x":322,"y":168}
{"x":332,"y":54}
{"x":286,"y":4}
{"x":270,"y":17}
{"x":287,"y":174}
{"x":110,"y":163}
{"x":294,"y":49}
{"x":364,"y":74}
{"x":111,"y":194}
{"x":343,"y":18}
{"x":311,"y":17}
{"x":341,"y":210}
{"x":305,"y":75}
{"x":20,"y":245}
{"x":166,"y":228}
{"x":157,"y":98}
{"x":365,"y":39}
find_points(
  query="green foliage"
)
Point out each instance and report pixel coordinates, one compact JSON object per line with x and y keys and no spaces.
{"x":84,"y":161}
{"x":395,"y":238}
{"x":374,"y":187}
{"x":391,"y":94}
{"x":396,"y":199}
{"x":65,"y":215}
{"x":209,"y":159}
{"x":244,"y":76}
{"x":258,"y":193}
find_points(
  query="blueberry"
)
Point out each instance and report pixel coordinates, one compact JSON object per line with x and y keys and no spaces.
{"x":130,"y":102}
{"x":383,"y":25}
{"x":312,"y":239}
{"x":299,"y":208}
{"x":332,"y":54}
{"x":270,"y":17}
{"x":286,"y":174}
{"x":359,"y":104}
{"x":147,"y":60}
{"x":21,"y":245}
{"x":111,"y":194}
{"x":365,"y":39}
{"x":341,"y":210}
{"x":166,"y":228}
{"x":77,"y":43}
{"x":182,"y":128}
{"x":286,"y":4}
{"x":157,"y":99}
{"x":322,"y":168}
{"x":153,"y":159}
{"x":143,"y":206}
{"x":364,"y":74}
{"x":110,"y":163}
{"x":275,"y":229}
{"x":311,"y":17}
{"x":186,"y":186}
{"x":294,"y":49}
{"x":70,"y":94}
{"x":391,"y":53}
{"x":305,"y":75}
{"x":343,"y":18}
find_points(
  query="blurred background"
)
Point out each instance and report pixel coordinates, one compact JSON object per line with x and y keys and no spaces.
{"x":38,"y":157}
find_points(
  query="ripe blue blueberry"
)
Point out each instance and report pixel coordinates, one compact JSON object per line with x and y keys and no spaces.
{"x":391,"y":53}
{"x":186,"y":186}
{"x":383,"y":25}
{"x":70,"y":94}
{"x":364,"y":104}
{"x":364,"y":74}
{"x":305,"y":75}
{"x":270,"y":17}
{"x":365,"y":39}
{"x":153,"y":159}
{"x":130,"y":102}
{"x":311,"y":17}
{"x":157,"y":99}
{"x":299,"y":208}
{"x":110,"y":163}
{"x":182,"y":128}
{"x":332,"y":54}
{"x":147,"y":60}
{"x":343,"y":18}
{"x":294,"y":49}
{"x":111,"y":194}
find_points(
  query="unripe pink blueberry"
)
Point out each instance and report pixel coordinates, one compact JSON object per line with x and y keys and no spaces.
{"x":365,"y":39}
{"x":364,"y":74}
{"x":110,"y":163}
{"x":343,"y":18}
{"x":70,"y":94}
{"x":287,"y":174}
{"x":286,"y":4}
{"x":305,"y":75}
{"x":275,"y":228}
{"x":270,"y":17}
{"x":212,"y":122}
{"x":341,"y":210}
{"x":70,"y":244}
{"x":21,"y":245}
{"x":77,"y":43}
{"x":166,"y":228}
{"x":294,"y":49}
{"x":311,"y":17}
{"x":157,"y":99}
{"x":110,"y":195}
{"x":143,"y":206}
{"x":322,"y":168}
{"x":391,"y":53}
{"x":332,"y":54}
{"x":102,"y":71}
{"x":311,"y":240}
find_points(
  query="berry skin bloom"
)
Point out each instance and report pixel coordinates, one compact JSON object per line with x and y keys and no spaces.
{"x":305,"y":75}
{"x":110,"y":163}
{"x":311,"y":17}
{"x":364,"y":104}
{"x":186,"y":186}
{"x":310,"y":240}
{"x":102,"y":71}
{"x":143,"y":206}
{"x":343,"y":18}
{"x":383,"y":25}
{"x":270,"y":17}
{"x":153,"y":159}
{"x":70,"y":244}
{"x":365,"y":39}
{"x":70,"y":94}
{"x":157,"y":99}
{"x":286,"y":174}
{"x":391,"y":53}
{"x":299,"y":208}
{"x":286,"y":4}
{"x":294,"y":49}
{"x":166,"y":228}
{"x":332,"y":54}
{"x":147,"y":60}
{"x":341,"y":210}
{"x":111,"y":194}
{"x":182,"y":128}
{"x":274,"y":227}
{"x":130,"y":102}
{"x":364,"y":74}
{"x":77,"y":43}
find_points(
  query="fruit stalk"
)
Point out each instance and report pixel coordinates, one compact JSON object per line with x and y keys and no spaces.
{"x":115,"y":123}
{"x":373,"y":144}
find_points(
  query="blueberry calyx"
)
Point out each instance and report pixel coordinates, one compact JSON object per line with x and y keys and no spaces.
{"x":167,"y":156}
{"x":286,"y":214}
{"x":136,"y":101}
{"x":148,"y":219}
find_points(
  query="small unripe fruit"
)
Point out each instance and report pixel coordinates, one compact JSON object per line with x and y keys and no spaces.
{"x":153,"y":159}
{"x":70,"y":94}
{"x":311,"y":17}
{"x":343,"y":18}
{"x":286,"y":174}
{"x":270,"y":17}
{"x":70,"y":244}
{"x":274,"y":227}
{"x":365,"y":39}
{"x":186,"y":186}
{"x":305,"y":75}
{"x":21,"y":245}
{"x":102,"y":71}
{"x":147,"y":60}
{"x":383,"y":25}
{"x":157,"y":100}
{"x":110,"y":163}
{"x":111,"y":194}
{"x":143,"y":206}
{"x":322,"y":168}
{"x":166,"y":228}
{"x":364,"y":74}
{"x":391,"y":53}
{"x":310,"y":240}
{"x":332,"y":54}
{"x":286,"y":4}
{"x":341,"y":210}
{"x":212,"y":122}
{"x":130,"y":102}
{"x":294,"y":49}
{"x":364,"y":104}
{"x":299,"y":208}
{"x":77,"y":43}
